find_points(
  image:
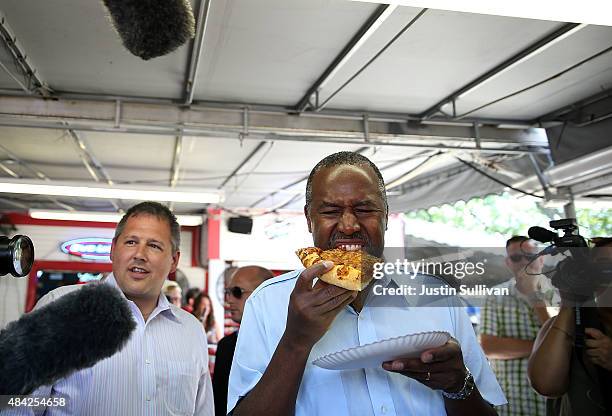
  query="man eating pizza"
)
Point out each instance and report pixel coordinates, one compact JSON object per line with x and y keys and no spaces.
{"x":288,"y":322}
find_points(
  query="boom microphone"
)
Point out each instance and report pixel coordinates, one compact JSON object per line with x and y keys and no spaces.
{"x":71,"y":333}
{"x":152,"y":28}
{"x":541,"y":234}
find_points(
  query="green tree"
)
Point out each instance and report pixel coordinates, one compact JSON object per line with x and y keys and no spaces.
{"x":509,"y":215}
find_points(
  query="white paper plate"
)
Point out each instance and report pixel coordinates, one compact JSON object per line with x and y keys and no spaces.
{"x":374,"y":354}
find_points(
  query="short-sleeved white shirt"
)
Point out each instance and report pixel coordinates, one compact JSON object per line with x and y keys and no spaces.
{"x":352,"y":392}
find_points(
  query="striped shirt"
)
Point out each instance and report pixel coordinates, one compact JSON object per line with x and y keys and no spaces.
{"x":510,"y":316}
{"x":162,"y":370}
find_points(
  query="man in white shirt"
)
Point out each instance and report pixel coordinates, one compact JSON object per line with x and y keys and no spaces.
{"x":288,"y":322}
{"x":163,"y":369}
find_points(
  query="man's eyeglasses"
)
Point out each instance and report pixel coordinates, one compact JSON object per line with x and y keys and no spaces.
{"x":235,"y":291}
{"x":515,"y":258}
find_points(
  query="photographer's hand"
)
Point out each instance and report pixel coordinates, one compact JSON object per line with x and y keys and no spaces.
{"x":599,"y":348}
{"x":527,"y":283}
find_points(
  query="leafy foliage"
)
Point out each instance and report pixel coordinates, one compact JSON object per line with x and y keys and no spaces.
{"x":509,"y":215}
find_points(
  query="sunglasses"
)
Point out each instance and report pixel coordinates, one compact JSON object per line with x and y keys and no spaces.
{"x":235,"y":291}
{"x":515,"y":258}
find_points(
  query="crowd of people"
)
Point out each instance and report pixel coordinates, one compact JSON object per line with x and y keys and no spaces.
{"x":523,"y":355}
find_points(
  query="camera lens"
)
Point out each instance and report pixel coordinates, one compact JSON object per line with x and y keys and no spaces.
{"x":16,"y":255}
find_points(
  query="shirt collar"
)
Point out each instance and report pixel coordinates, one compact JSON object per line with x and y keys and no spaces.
{"x":163,"y":305}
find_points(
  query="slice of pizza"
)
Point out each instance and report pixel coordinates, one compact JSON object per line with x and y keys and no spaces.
{"x":352,"y":269}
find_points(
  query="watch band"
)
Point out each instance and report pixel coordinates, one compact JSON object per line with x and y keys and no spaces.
{"x":466,"y":390}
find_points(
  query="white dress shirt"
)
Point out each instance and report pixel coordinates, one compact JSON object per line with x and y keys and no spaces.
{"x":162,"y":370}
{"x":362,"y":392}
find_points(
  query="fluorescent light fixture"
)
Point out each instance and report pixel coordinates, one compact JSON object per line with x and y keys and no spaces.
{"x":134,"y":193}
{"x":185,"y":220}
{"x":595,"y":12}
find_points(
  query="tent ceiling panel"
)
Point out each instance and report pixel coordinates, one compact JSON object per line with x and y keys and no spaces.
{"x":33,"y":145}
{"x":215,"y":157}
{"x":299,"y":156}
{"x":571,"y":87}
{"x":577,"y":84}
{"x":6,"y":82}
{"x":135,"y":150}
{"x":7,"y":79}
{"x":440,"y":53}
{"x":261,"y":185}
{"x":271,"y":51}
{"x":75,"y":48}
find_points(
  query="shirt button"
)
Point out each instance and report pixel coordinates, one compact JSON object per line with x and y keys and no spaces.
{"x":148,"y":399}
{"x":383,"y":409}
{"x":147,"y":362}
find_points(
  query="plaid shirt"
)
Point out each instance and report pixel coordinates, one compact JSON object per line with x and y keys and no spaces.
{"x":511,"y":317}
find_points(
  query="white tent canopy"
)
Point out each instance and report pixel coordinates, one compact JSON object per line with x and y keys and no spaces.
{"x":278,"y":85}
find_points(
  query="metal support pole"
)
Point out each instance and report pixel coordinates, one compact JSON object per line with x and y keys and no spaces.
{"x":196,"y":51}
{"x":32,"y":82}
{"x":366,"y":128}
{"x":540,"y":175}
{"x":8,"y":170}
{"x":570,"y":209}
{"x":117,"y":113}
{"x":176,"y":161}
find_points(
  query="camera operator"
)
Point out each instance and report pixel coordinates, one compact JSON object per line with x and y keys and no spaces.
{"x":558,"y":370}
{"x":510,"y":324}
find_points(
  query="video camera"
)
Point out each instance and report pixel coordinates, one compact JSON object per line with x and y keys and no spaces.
{"x":578,"y":276}
{"x":16,"y":255}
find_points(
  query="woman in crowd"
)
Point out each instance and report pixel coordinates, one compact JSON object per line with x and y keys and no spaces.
{"x":203,"y":310}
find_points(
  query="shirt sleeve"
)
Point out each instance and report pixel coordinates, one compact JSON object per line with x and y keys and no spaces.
{"x":475,"y":360}
{"x":488,"y":321}
{"x":251,"y":357}
{"x":205,"y":404}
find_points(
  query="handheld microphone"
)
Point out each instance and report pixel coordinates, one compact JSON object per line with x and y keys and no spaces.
{"x":541,"y":234}
{"x":69,"y":334}
{"x":151,"y":28}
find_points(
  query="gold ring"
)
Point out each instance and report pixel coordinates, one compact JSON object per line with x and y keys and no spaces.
{"x":428,"y":376}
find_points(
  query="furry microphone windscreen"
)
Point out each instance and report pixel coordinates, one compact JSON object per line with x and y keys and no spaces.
{"x":152,"y":28}
{"x":69,"y":334}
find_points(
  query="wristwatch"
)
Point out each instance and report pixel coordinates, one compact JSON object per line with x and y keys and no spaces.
{"x":466,"y":390}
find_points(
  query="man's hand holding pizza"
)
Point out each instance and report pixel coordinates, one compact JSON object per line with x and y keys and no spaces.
{"x":312,"y":309}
